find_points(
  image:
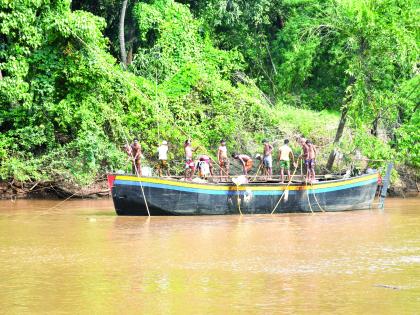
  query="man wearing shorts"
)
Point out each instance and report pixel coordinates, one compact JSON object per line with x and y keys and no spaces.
{"x":223,"y":159}
{"x":285,"y":152}
{"x":267,"y":157}
{"x":310,"y":161}
{"x":163,"y":158}
{"x":136,"y":157}
{"x":304,"y":155}
{"x":189,"y":162}
{"x":245,"y":160}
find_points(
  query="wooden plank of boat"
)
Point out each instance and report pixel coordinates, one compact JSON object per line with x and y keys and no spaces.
{"x":167,"y":196}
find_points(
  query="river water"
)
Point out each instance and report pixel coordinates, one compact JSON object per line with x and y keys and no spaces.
{"x":79,"y":257}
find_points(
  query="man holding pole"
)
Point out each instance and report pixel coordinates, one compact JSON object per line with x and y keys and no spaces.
{"x":189,"y":162}
{"x":267,"y":157}
{"x":223,"y":159}
{"x":136,"y":155}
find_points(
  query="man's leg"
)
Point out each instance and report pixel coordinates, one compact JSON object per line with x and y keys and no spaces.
{"x":139,"y":167}
{"x":187,"y":168}
{"x":308,"y":170}
{"x":313,"y":170}
{"x":282,"y":174}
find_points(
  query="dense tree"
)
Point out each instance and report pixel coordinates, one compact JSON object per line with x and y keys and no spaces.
{"x":236,"y":69}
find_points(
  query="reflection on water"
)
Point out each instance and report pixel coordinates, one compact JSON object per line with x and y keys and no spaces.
{"x":80,"y":257}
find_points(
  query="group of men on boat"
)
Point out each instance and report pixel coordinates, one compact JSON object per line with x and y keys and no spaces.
{"x":204,"y":163}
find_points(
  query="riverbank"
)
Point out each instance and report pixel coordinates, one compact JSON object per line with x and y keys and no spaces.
{"x":52,"y":190}
{"x":406,"y":185}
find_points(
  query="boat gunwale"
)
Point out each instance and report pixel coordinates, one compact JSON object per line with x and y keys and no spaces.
{"x":231,"y":185}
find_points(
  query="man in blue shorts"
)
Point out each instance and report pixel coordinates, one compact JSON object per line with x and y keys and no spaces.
{"x":267,"y":157}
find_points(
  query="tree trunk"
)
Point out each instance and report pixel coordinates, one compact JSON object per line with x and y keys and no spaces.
{"x":374,"y":130}
{"x":338,"y":135}
{"x":1,"y":75}
{"x":121,"y":33}
{"x":130,"y":56}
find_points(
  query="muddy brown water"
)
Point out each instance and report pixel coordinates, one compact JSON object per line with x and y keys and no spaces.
{"x":78,"y":257}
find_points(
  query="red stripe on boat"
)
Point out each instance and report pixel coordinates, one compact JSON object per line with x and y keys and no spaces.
{"x":111,"y":179}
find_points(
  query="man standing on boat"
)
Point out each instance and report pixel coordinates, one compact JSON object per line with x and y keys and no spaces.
{"x":310,"y":161}
{"x":304,"y":155}
{"x":189,"y":162}
{"x":245,"y":160}
{"x":267,"y":157}
{"x":136,"y":156}
{"x":223,"y":159}
{"x":163,"y":159}
{"x":285,"y":153}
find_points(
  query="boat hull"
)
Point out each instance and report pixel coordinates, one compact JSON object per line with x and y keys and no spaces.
{"x":173,"y":197}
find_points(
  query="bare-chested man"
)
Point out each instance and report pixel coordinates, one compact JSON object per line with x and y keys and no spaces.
{"x":136,"y":156}
{"x":245,"y":160}
{"x":304,"y":155}
{"x":267,"y":157}
{"x":223,"y":159}
{"x":310,"y":160}
{"x":189,"y":162}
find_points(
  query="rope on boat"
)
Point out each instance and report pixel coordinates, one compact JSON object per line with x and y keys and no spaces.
{"x":281,"y":197}
{"x":61,"y":202}
{"x":314,"y":194}
{"x":238,"y":199}
{"x":307,"y":195}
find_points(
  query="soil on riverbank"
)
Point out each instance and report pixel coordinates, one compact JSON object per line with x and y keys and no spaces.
{"x":52,"y":190}
{"x":406,"y":185}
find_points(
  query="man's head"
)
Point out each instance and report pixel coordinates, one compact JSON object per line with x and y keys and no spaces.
{"x":308,"y":142}
{"x":135,"y":140}
{"x":235,"y":155}
{"x":286,"y":141}
{"x":164,"y":142}
{"x":222,"y":142}
{"x":265,"y":141}
{"x":301,"y":140}
{"x":187,"y":142}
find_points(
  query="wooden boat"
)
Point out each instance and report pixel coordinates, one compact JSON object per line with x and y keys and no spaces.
{"x":166,"y":196}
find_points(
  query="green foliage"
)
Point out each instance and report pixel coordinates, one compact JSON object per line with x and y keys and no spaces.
{"x":199,"y":70}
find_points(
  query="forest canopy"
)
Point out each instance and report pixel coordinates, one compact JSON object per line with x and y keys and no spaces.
{"x":79,"y":79}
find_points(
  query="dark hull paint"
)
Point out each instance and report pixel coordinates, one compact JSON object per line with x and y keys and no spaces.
{"x":128,"y":200}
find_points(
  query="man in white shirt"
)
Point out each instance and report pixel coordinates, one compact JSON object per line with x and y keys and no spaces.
{"x":163,"y":158}
{"x":285,"y":152}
